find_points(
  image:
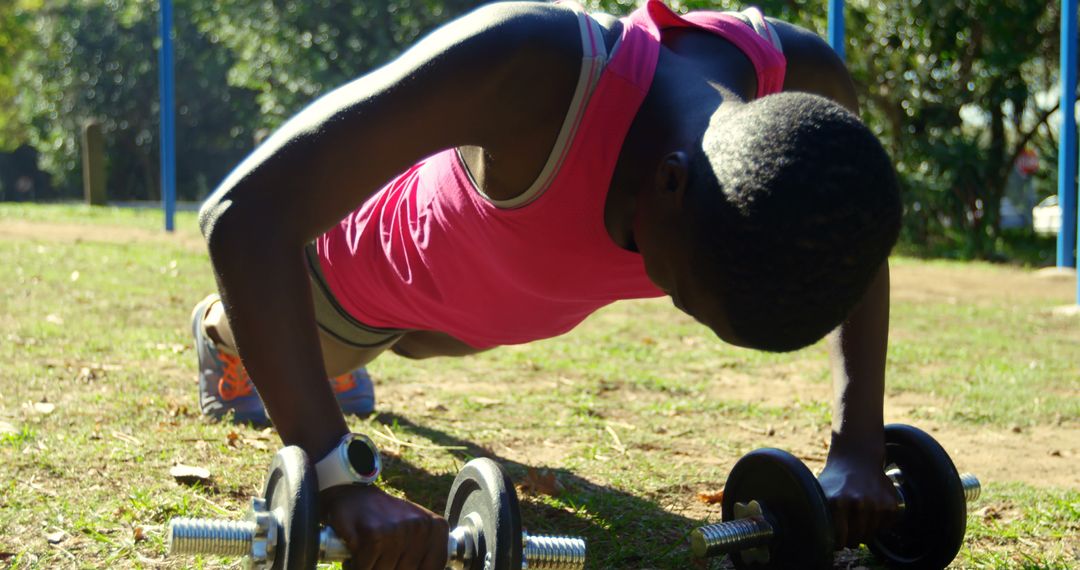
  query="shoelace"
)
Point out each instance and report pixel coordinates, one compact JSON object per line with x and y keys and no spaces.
{"x":343,"y":383}
{"x":235,"y":381}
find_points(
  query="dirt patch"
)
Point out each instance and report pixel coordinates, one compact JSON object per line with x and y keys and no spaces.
{"x":76,"y":233}
{"x":1044,"y":456}
{"x":781,"y":386}
{"x":980,"y":283}
{"x":1040,"y":455}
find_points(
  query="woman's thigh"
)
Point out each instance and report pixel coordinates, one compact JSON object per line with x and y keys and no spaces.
{"x":340,"y":358}
{"x":428,"y":344}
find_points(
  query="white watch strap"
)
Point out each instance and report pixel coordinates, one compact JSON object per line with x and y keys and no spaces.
{"x":335,"y":469}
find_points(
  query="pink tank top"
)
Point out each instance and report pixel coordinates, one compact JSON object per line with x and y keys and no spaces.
{"x":429,"y":252}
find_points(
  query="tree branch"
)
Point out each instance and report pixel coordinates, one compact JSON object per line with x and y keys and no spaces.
{"x":1025,"y":138}
{"x":973,"y":52}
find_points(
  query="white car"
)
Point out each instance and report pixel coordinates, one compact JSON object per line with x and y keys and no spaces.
{"x":1047,"y":217}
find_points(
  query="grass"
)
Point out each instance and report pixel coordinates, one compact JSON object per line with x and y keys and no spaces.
{"x":634,"y":413}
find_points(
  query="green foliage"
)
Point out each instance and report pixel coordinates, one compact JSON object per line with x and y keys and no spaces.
{"x":85,"y":62}
{"x":92,"y":60}
{"x":951,"y":89}
{"x":241,"y":66}
{"x":14,"y":35}
{"x":290,"y":52}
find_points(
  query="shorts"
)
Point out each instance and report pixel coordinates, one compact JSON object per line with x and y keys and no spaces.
{"x":334,"y":320}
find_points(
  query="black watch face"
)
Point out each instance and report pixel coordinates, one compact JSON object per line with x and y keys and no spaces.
{"x":362,"y":458}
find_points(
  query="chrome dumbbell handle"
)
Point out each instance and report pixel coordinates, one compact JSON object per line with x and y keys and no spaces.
{"x":753,"y":531}
{"x":549,"y":552}
{"x":256,"y":537}
{"x":731,"y":536}
{"x":211,"y":537}
{"x":972,"y":487}
{"x":540,"y":552}
{"x":749,"y":532}
{"x":970,"y":483}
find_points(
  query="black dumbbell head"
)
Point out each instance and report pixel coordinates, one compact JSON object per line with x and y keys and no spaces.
{"x":793,"y":503}
{"x":931,"y":529}
{"x":483,"y":492}
{"x":291,"y":488}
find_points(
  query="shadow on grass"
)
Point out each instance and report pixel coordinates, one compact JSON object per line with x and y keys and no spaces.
{"x":623,"y":531}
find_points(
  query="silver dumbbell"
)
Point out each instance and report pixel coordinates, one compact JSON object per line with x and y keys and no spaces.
{"x":282,"y":530}
{"x":776,"y":515}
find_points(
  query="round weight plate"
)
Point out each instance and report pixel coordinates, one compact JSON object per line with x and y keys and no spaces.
{"x":483,"y":492}
{"x":931,"y":529}
{"x":292,"y":492}
{"x":793,"y":503}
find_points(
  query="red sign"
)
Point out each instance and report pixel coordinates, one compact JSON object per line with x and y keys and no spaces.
{"x":1028,"y":162}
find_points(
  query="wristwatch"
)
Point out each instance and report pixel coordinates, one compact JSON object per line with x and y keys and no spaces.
{"x":355,"y":461}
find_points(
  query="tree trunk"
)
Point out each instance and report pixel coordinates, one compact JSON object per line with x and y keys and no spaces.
{"x":153,"y":181}
{"x":995,"y":176}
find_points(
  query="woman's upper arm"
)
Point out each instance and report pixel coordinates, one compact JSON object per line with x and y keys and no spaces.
{"x":461,"y":85}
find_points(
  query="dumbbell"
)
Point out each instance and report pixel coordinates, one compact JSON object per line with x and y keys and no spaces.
{"x":776,"y":514}
{"x":283,"y":531}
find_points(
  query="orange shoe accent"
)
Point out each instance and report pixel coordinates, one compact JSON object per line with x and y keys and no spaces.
{"x":235,"y":381}
{"x":343,"y":383}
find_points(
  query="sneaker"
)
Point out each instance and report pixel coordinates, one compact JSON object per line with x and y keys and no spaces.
{"x":224,"y":385}
{"x":355,"y":392}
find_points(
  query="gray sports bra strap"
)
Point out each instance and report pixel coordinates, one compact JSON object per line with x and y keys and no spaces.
{"x":756,"y":20}
{"x":594,"y":58}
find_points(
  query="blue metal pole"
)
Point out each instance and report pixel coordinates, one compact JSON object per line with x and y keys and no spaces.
{"x":1067,"y":193}
{"x":168,"y":116}
{"x":836,"y":26}
{"x":1067,"y":151}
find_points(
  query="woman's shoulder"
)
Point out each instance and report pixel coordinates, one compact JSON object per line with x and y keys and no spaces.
{"x":812,"y":65}
{"x":534,"y":26}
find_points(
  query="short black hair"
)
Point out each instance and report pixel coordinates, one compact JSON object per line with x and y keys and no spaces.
{"x":794,"y":206}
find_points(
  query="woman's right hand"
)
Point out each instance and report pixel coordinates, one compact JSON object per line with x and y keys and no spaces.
{"x":384,"y":532}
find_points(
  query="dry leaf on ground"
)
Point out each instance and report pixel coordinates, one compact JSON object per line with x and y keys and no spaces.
{"x":56,"y":537}
{"x":541,"y":483}
{"x":189,"y":475}
{"x":711,"y":498}
{"x":126,"y":438}
{"x":176,"y":410}
{"x":88,"y":374}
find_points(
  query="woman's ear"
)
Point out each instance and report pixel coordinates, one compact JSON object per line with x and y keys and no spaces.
{"x":672,"y":175}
